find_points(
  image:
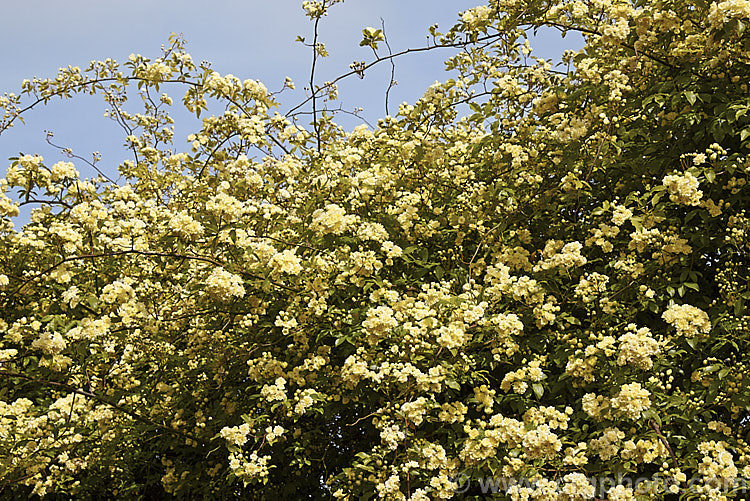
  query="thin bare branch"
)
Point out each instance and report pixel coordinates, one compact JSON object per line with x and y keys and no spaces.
{"x":392,"y":80}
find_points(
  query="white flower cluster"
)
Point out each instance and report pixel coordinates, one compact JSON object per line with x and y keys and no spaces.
{"x":476,"y":17}
{"x":620,"y":215}
{"x":518,"y":379}
{"x":7,"y":206}
{"x":72,"y":240}
{"x":379,"y":321}
{"x":314,"y":9}
{"x":391,"y":436}
{"x":507,"y":325}
{"x":225,"y":205}
{"x":332,"y":220}
{"x":722,"y":12}
{"x":717,"y":461}
{"x":608,"y":444}
{"x":644,"y":450}
{"x":434,"y":456}
{"x":224,"y":285}
{"x":157,"y":71}
{"x":452,"y":335}
{"x":304,"y":400}
{"x":485,"y":397}
{"x":620,"y":493}
{"x":629,"y":403}
{"x":118,"y":292}
{"x":372,"y":231}
{"x":577,"y":486}
{"x":590,"y":285}
{"x":391,"y":250}
{"x":637,"y":347}
{"x":286,"y":262}
{"x":603,"y":235}
{"x":414,"y":411}
{"x":632,"y":400}
{"x":64,"y":170}
{"x":236,"y":435}
{"x":687,"y":319}
{"x":562,"y":256}
{"x":71,"y":296}
{"x":273,"y":433}
{"x":556,"y":419}
{"x":541,"y":443}
{"x":683,"y":188}
{"x":6,"y":355}
{"x":390,"y":489}
{"x":185,"y":226}
{"x":90,"y":329}
{"x":251,"y":468}
{"x":51,"y":343}
{"x":274,"y":392}
{"x":570,"y":129}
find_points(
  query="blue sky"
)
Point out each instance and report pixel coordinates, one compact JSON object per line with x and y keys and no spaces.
{"x":250,"y":39}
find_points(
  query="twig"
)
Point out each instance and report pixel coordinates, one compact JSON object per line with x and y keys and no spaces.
{"x":141,"y":253}
{"x":75,"y":87}
{"x":99,"y":398}
{"x":69,"y":153}
{"x":590,"y":31}
{"x":50,"y":202}
{"x":664,"y":441}
{"x":316,"y":127}
{"x":392,"y":81}
{"x":358,"y":71}
{"x":362,"y":418}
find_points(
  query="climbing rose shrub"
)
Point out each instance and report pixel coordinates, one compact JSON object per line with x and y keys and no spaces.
{"x":535,"y":273}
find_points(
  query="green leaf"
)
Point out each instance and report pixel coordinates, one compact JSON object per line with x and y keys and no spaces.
{"x":439,"y":272}
{"x":651,"y":413}
{"x":452,"y":384}
{"x":710,"y":175}
{"x":538,"y":389}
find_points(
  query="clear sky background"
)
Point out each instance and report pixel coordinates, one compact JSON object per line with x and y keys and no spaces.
{"x":248,"y":38}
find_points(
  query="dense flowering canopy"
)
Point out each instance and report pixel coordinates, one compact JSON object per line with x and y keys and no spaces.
{"x":532,"y":279}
